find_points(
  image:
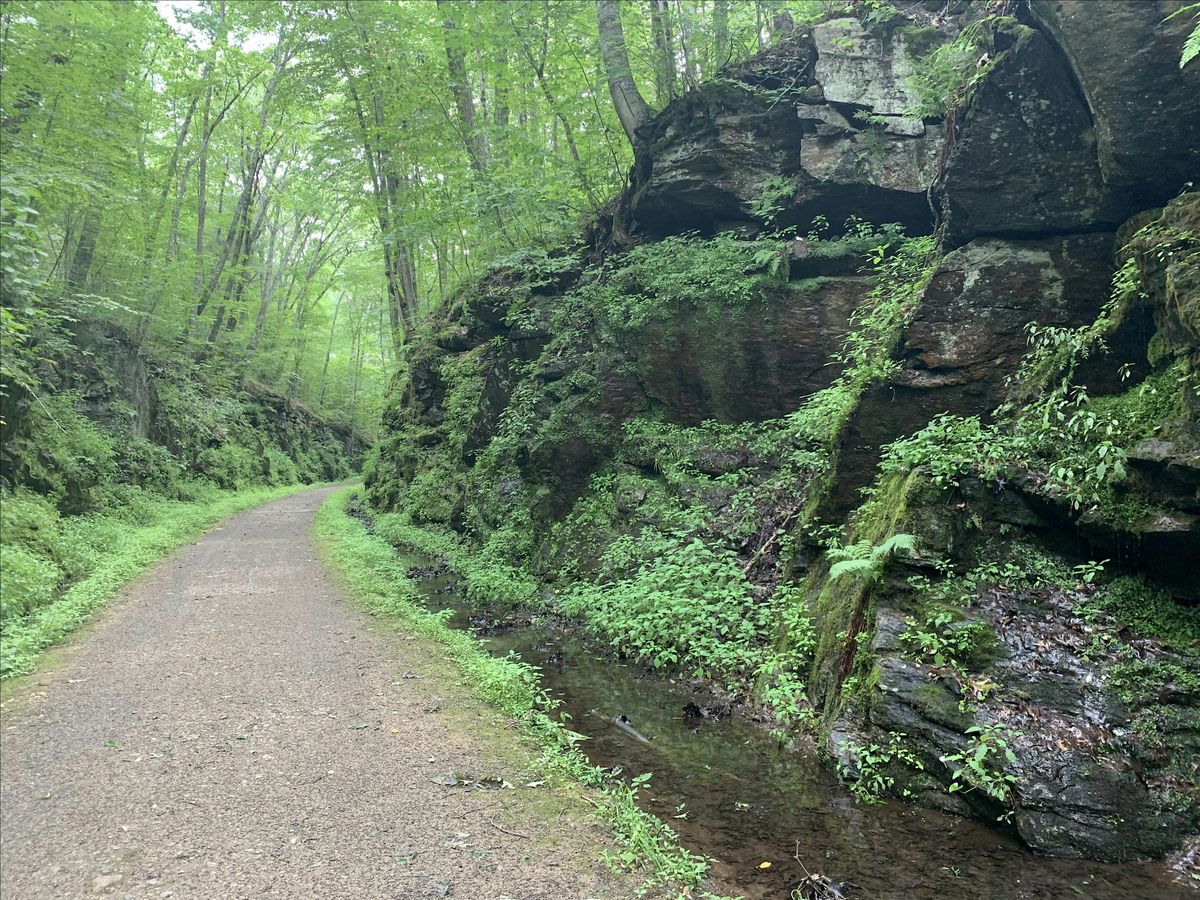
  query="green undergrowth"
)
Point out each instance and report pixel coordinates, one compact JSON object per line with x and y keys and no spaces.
{"x":676,"y":550}
{"x":376,"y":577}
{"x":59,"y":570}
{"x":1148,"y":609}
{"x":1052,"y":433}
{"x":486,"y":578}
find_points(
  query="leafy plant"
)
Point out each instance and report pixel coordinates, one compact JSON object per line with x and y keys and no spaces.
{"x":869,"y":768}
{"x":942,"y":638}
{"x":945,"y":76}
{"x":773,"y":194}
{"x":981,"y":765}
{"x":867,"y":563}
{"x":1191,"y":46}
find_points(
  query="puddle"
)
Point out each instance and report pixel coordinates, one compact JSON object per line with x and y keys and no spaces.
{"x":747,"y":801}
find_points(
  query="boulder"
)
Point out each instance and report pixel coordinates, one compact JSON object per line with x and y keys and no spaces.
{"x":1085,"y":783}
{"x":710,"y":155}
{"x":864,"y":69}
{"x":719,"y":151}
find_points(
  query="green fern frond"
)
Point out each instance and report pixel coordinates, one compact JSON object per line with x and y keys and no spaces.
{"x":1191,"y":47}
{"x":855,"y":568}
{"x":897,"y":543}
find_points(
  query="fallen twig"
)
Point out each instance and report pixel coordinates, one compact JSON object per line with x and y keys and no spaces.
{"x":506,"y":830}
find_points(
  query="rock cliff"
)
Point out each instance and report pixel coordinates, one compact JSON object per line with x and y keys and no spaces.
{"x":816,"y":320}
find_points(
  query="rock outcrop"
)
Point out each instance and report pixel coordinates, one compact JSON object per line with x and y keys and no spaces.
{"x":1024,"y":160}
{"x":581,"y":404}
{"x":967,"y":338}
{"x":1145,"y":109}
{"x":815,"y":127}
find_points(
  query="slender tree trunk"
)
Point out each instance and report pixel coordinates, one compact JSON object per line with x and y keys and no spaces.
{"x":460,"y":88}
{"x":664,"y":56}
{"x":329,"y":347}
{"x":631,"y":107}
{"x":385,"y":192}
{"x":538,"y":65}
{"x":690,"y":70}
{"x":722,"y":46}
{"x":85,"y":249}
{"x":216,"y":325}
{"x":202,"y":164}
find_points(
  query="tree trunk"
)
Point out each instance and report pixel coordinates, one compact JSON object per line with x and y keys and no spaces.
{"x":631,"y":107}
{"x":721,"y":43}
{"x":664,"y":56}
{"x":690,"y":71}
{"x":460,"y":88}
{"x":538,"y":65}
{"x":329,"y":348}
{"x":85,"y":250}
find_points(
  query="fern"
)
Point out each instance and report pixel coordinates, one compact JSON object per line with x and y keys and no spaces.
{"x":897,"y":543}
{"x":1191,"y":47}
{"x":855,"y":568}
{"x":857,"y":562}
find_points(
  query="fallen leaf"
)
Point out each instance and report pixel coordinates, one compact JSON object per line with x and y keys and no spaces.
{"x":764,"y":865}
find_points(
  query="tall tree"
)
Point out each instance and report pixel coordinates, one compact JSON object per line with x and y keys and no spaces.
{"x":632,"y":109}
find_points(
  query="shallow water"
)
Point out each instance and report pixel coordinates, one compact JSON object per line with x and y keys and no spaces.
{"x":746,"y":801}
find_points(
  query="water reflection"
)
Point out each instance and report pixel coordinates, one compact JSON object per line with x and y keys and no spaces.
{"x":732,"y":793}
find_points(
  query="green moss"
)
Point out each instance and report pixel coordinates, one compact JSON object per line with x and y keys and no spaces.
{"x":938,"y":704}
{"x":921,"y":40}
{"x":1141,"y":410}
{"x":1141,"y":683}
{"x":810,"y":285}
{"x":1149,"y":610}
{"x":1157,"y":351}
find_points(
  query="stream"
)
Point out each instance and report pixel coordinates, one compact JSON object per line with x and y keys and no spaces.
{"x":744,"y":800}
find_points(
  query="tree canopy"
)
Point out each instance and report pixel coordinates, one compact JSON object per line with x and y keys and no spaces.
{"x":283,"y":189}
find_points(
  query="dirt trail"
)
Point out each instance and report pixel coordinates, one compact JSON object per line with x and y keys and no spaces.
{"x":232,"y":729}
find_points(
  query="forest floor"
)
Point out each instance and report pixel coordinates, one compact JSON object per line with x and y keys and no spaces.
{"x":231,"y":727}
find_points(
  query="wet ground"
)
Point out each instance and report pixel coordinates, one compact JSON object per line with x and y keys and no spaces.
{"x":733,"y":793}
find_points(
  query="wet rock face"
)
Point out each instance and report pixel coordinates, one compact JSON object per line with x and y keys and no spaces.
{"x":968,"y":337}
{"x":1090,"y":781}
{"x":1125,"y":59}
{"x":971,"y":327}
{"x":757,"y":363}
{"x":1024,"y":161}
{"x":1169,"y":273}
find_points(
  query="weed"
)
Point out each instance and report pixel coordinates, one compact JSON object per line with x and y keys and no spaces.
{"x":981,"y":764}
{"x":868,"y":768}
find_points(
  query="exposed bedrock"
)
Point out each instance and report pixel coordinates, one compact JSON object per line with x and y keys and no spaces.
{"x":1065,"y":160}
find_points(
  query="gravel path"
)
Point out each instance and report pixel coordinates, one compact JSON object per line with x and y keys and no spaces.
{"x":231,"y":728}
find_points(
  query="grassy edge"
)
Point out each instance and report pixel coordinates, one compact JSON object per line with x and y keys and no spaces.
{"x":24,"y":641}
{"x":375,"y":577}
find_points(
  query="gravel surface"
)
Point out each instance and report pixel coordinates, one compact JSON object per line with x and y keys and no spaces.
{"x":231,"y":728}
